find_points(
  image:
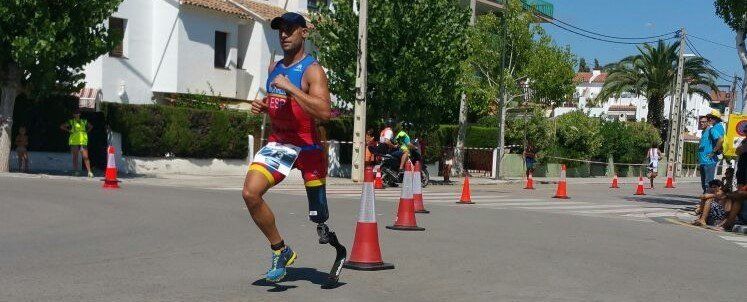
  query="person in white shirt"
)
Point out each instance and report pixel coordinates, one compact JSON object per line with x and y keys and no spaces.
{"x":653,"y":155}
{"x":385,"y":138}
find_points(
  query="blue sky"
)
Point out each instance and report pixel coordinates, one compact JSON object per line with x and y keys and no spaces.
{"x":640,"y":18}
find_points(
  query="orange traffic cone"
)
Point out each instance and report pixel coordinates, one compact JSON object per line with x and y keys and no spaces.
{"x":406,"y":211}
{"x":614,"y":183}
{"x":110,"y":176}
{"x":639,"y":189}
{"x":466,"y":198}
{"x":366,"y":253}
{"x":417,"y":191}
{"x":670,"y":177}
{"x":530,"y":182}
{"x":562,"y":185}
{"x":378,"y":183}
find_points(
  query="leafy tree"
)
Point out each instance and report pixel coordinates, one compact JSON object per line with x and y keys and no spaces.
{"x":627,"y":142}
{"x":734,"y":13}
{"x":582,"y":67}
{"x":577,"y":135}
{"x":596,"y":64}
{"x":530,"y":56}
{"x":415,"y":51}
{"x":43,"y":47}
{"x":652,"y":72}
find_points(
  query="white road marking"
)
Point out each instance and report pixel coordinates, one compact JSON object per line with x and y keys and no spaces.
{"x":572,"y":207}
{"x":627,"y":210}
{"x":735,"y":238}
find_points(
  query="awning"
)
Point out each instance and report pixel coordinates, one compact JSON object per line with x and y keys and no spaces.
{"x":88,"y":98}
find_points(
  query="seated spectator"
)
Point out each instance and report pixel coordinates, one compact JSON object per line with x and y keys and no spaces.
{"x":737,"y":213}
{"x":728,"y":180}
{"x":711,"y":210}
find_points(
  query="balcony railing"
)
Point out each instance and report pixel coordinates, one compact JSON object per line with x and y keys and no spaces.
{"x":543,"y":8}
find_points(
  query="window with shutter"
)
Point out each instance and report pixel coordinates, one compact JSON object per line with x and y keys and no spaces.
{"x":117,"y":27}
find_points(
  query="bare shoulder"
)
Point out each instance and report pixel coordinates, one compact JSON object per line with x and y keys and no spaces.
{"x":315,"y":73}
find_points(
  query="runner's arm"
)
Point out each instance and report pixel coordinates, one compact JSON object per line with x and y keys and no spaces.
{"x":317,"y":102}
{"x":65,"y":127}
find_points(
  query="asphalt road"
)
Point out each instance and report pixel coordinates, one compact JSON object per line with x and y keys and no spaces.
{"x":69,"y":240}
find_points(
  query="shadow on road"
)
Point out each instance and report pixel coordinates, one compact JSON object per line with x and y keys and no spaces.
{"x":300,"y":274}
{"x":662,"y":200}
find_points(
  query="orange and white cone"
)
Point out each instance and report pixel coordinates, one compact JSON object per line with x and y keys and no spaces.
{"x":670,"y":177}
{"x":466,"y":197}
{"x":366,"y":253}
{"x":110,"y":176}
{"x":405,"y":220}
{"x":378,"y":183}
{"x":562,"y":191}
{"x":530,"y":182}
{"x":417,"y":191}
{"x":614,"y":183}
{"x":639,"y":189}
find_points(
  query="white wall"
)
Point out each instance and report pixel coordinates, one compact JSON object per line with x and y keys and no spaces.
{"x":165,"y":46}
{"x":134,"y":70}
{"x":197,"y":73}
{"x":263,"y":44}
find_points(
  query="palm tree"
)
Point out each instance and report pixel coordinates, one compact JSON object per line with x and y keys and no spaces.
{"x":652,"y":74}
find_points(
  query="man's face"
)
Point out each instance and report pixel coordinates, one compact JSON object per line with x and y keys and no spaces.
{"x":702,"y":123}
{"x":292,"y":37}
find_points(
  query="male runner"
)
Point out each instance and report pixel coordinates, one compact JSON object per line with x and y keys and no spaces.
{"x":298,"y":95}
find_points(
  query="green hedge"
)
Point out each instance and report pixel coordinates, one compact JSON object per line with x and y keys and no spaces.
{"x":155,"y":130}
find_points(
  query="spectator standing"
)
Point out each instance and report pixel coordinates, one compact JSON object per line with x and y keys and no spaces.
{"x":710,"y":147}
{"x":530,"y":158}
{"x":22,"y":144}
{"x":448,"y":163}
{"x":78,"y":140}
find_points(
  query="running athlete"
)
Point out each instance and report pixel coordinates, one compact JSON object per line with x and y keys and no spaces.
{"x":653,"y":155}
{"x":298,"y":94}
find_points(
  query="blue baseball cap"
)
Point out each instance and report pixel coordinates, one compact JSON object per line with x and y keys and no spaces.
{"x":288,"y":18}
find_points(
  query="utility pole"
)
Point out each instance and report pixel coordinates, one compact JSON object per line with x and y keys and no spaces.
{"x":680,"y":145}
{"x":732,"y":102}
{"x":677,"y":99}
{"x":361,"y":75}
{"x":502,"y":102}
{"x":462,"y":133}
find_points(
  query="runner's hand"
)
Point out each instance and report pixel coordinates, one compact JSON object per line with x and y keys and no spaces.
{"x":259,"y":106}
{"x":282,"y":82}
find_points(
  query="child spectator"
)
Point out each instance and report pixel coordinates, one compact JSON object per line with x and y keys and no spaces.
{"x":711,"y":211}
{"x":22,"y":144}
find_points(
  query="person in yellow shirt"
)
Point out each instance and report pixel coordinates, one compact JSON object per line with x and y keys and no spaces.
{"x":78,"y":141}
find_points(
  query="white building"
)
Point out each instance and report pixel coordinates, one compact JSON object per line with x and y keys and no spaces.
{"x":628,"y":107}
{"x":215,"y":47}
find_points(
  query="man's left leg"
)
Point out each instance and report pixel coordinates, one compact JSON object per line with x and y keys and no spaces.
{"x":313,"y":165}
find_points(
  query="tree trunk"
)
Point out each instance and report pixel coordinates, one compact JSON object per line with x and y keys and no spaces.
{"x":742,"y":51}
{"x":461,"y":137}
{"x":656,"y":114}
{"x":10,"y":86}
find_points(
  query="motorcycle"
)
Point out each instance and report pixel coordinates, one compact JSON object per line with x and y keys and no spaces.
{"x":390,"y":174}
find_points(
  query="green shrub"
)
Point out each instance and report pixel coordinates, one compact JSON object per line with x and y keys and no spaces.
{"x":577,"y":136}
{"x":154,"y":130}
{"x":627,"y":142}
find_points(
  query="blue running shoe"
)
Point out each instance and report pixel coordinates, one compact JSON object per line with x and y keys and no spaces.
{"x":280,"y":259}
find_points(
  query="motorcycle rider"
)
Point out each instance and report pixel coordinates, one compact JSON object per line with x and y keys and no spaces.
{"x":385,"y":138}
{"x":404,"y":144}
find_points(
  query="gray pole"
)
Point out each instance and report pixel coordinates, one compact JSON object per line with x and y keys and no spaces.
{"x":359,"y":120}
{"x":462,"y":133}
{"x":502,"y":102}
{"x":680,"y":137}
{"x":677,"y":99}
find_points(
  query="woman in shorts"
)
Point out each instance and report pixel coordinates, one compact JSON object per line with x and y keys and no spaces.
{"x":78,"y":141}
